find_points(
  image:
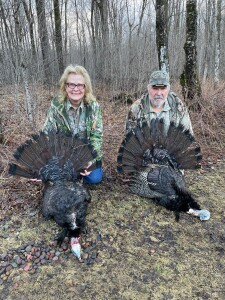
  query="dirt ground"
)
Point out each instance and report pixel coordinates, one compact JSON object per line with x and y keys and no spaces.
{"x":140,"y":251}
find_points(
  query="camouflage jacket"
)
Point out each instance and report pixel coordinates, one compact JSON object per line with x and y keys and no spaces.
{"x":85,"y":122}
{"x":174,"y":110}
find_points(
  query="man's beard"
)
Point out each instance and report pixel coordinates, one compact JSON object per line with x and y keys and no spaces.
{"x":157,"y":101}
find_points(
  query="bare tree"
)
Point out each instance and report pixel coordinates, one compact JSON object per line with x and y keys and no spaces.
{"x":207,"y":24}
{"x":162,"y":34}
{"x":118,"y":41}
{"x":23,"y":67}
{"x":1,"y":129}
{"x":58,"y":35}
{"x":189,"y":78}
{"x":30,"y":20}
{"x":43,"y":36}
{"x":143,"y":7}
{"x":218,"y":42}
{"x":100,"y":37}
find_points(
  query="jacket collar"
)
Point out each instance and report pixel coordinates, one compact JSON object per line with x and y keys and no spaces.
{"x":69,"y":106}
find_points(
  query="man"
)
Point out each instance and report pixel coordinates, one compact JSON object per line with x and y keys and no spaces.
{"x":159,"y":102}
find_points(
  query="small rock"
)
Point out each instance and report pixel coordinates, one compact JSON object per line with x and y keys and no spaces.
{"x":14,"y":265}
{"x":55,"y":258}
{"x":37,"y":254}
{"x":28,"y":248}
{"x":153,"y":239}
{"x":93,"y":255}
{"x":27,"y":267}
{"x":8,"y":268}
{"x":43,"y":261}
{"x":64,"y":247}
{"x":2,"y":271}
{"x":29,"y":257}
{"x":3,"y":256}
{"x":152,"y":251}
{"x":17,"y":260}
{"x":22,"y":266}
{"x":85,"y":255}
{"x":32,"y":214}
{"x":4,"y":264}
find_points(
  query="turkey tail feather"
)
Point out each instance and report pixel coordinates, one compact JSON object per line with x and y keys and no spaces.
{"x":51,"y":153}
{"x":153,"y":144}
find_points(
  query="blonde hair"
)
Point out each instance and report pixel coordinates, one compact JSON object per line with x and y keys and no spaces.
{"x":76,"y":69}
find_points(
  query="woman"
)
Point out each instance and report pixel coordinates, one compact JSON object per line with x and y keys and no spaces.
{"x":76,"y":110}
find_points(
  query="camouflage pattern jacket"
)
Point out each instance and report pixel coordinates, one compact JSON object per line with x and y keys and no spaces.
{"x":85,"y":123}
{"x":174,"y":110}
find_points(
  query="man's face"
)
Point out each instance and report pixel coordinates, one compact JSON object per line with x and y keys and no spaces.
{"x":158,"y":95}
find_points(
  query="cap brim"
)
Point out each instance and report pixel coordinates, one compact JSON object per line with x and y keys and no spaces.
{"x":162,"y":85}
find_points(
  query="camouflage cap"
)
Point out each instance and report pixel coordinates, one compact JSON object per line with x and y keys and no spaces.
{"x":159,"y":78}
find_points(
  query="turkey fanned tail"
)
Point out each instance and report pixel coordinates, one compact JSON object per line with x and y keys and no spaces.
{"x":154,"y":158}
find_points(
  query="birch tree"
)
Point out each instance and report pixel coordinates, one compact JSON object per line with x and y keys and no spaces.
{"x":162,"y":34}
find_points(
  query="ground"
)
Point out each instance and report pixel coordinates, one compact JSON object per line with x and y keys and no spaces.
{"x":133,"y":249}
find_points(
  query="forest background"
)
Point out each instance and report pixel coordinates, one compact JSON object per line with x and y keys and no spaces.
{"x":120,"y":43}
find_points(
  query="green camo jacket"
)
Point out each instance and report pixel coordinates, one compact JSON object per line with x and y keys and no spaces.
{"x":58,"y":119}
{"x":174,"y":110}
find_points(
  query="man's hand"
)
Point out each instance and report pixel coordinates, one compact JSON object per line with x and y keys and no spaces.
{"x":86,"y":173}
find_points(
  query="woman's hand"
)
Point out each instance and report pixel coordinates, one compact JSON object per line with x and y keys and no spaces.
{"x":86,"y":173}
{"x":35,"y":180}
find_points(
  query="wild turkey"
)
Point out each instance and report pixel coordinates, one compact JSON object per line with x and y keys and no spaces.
{"x":57,"y":159}
{"x":155,"y":158}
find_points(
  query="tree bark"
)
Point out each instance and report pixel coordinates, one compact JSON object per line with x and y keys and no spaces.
{"x":1,"y":130}
{"x":162,"y":34}
{"x":58,"y":36}
{"x":30,"y":20}
{"x":218,"y":42}
{"x":189,"y":78}
{"x":100,"y":37}
{"x":43,"y":36}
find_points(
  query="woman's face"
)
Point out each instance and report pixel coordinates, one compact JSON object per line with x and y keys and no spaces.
{"x":75,"y":88}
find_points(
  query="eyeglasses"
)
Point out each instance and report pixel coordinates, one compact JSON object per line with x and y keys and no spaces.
{"x":72,"y":86}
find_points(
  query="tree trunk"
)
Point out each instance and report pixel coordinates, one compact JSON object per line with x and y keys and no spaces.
{"x":162,"y":34}
{"x":1,"y":130}
{"x":218,"y":42}
{"x":30,"y":20}
{"x":189,"y":78}
{"x":21,"y":60}
{"x":100,"y":37}
{"x":58,"y":36}
{"x":43,"y":36}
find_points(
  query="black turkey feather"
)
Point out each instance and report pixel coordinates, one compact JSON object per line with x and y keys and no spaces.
{"x":57,"y":159}
{"x":154,"y":158}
